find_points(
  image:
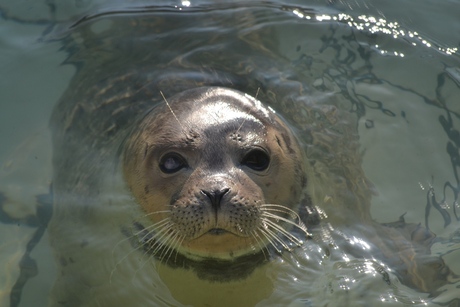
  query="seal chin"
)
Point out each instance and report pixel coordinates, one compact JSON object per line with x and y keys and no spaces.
{"x":219,"y":244}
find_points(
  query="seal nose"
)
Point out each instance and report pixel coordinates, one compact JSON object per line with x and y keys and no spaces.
{"x":215,"y":196}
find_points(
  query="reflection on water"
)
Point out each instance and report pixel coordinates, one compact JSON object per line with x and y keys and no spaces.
{"x":377,"y":25}
{"x":361,"y":73}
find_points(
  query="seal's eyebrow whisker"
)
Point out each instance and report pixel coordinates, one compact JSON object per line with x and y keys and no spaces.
{"x":239,"y":128}
{"x":174,"y":114}
{"x":244,"y":120}
{"x":257,"y":93}
{"x":214,"y":117}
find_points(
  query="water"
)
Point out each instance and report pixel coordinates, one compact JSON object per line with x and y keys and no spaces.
{"x":399,"y":75}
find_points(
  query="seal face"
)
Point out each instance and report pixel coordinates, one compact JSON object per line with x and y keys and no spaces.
{"x":217,"y":174}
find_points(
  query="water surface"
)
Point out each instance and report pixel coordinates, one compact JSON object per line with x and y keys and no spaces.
{"x":399,"y":75}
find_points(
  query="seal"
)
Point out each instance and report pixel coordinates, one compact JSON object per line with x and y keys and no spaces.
{"x":207,"y":181}
{"x":215,"y":173}
{"x":207,"y":176}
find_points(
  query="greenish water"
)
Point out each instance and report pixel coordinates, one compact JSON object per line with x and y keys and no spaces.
{"x":399,"y":72}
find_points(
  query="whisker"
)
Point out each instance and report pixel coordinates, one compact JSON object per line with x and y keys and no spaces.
{"x":141,"y":266}
{"x":280,"y":208}
{"x":138,"y":247}
{"x":136,"y":235}
{"x":239,"y":128}
{"x":156,"y":244}
{"x":283,"y":209}
{"x":178,"y":241}
{"x":299,"y":224}
{"x":267,"y":211}
{"x":159,"y":242}
{"x":170,"y":237}
{"x":173,"y":244}
{"x":165,"y":235}
{"x":270,"y":241}
{"x":156,"y":224}
{"x":178,"y":244}
{"x":259,"y":241}
{"x":149,"y":236}
{"x":174,"y":114}
{"x":151,"y":228}
{"x":214,"y":117}
{"x":277,"y":238}
{"x":244,"y":120}
{"x":269,"y":237}
{"x":156,"y":212}
{"x":286,"y":233}
{"x":120,"y":242}
{"x":121,"y":260}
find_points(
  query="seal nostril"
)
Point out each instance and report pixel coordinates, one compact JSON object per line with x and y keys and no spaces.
{"x":215,"y":196}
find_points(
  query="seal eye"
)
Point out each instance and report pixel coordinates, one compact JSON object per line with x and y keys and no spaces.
{"x":256,"y":159}
{"x":172,"y":162}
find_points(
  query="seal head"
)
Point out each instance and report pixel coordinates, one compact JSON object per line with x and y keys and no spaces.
{"x":218,"y":174}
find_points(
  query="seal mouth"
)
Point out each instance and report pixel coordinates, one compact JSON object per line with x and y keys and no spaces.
{"x":217,"y":231}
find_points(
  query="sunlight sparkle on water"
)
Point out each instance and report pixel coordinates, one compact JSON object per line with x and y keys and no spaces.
{"x":298,"y":13}
{"x":301,"y":15}
{"x":323,"y":17}
{"x":377,"y":25}
{"x":361,"y":242}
